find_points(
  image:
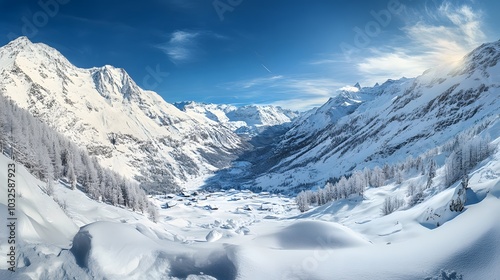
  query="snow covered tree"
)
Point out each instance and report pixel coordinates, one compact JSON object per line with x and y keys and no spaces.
{"x":465,"y":181}
{"x":388,"y":171}
{"x":142,"y":203}
{"x":431,"y":173}
{"x":3,"y":126}
{"x":342,"y":187}
{"x":153,"y":212}
{"x":457,"y":204}
{"x":358,"y":182}
{"x":55,"y":157}
{"x":71,"y":176}
{"x":419,"y":165}
{"x":302,"y":201}
{"x":465,"y":156}
{"x":399,"y":176}
{"x":391,"y":204}
{"x":452,"y":168}
{"x":377,"y":178}
{"x":409,"y":163}
{"x":49,"y":187}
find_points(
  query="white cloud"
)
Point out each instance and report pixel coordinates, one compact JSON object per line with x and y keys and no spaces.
{"x":324,"y":88}
{"x":382,"y":66}
{"x":440,"y":36}
{"x":448,"y":43}
{"x":324,"y":61}
{"x":257,"y":82}
{"x":349,"y":88}
{"x":300,"y":104}
{"x":182,"y":37}
{"x":183,"y":46}
{"x":446,"y":36}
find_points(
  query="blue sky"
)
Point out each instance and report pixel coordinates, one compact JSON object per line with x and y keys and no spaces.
{"x":295,"y":54}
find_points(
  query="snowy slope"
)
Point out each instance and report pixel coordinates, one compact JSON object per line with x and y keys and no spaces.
{"x":41,"y":223}
{"x":386,"y":123}
{"x":40,"y":219}
{"x":133,"y":131}
{"x":256,"y":236}
{"x":250,"y":119}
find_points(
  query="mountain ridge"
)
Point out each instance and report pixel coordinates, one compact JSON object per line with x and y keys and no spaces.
{"x":129,"y":129}
{"x":385,"y":123}
{"x":247,"y":120}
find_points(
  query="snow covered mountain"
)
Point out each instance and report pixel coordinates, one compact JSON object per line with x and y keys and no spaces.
{"x":247,"y":120}
{"x":450,"y":232}
{"x":366,"y":127}
{"x":138,"y":134}
{"x":130,"y":130}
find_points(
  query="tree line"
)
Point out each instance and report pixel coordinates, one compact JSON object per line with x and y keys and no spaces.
{"x":359,"y":180}
{"x":51,"y":157}
{"x":465,"y":152}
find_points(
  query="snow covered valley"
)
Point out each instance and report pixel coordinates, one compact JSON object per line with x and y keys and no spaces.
{"x":244,"y":235}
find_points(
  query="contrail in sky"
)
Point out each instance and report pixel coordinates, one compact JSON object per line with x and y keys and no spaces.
{"x":266,"y":68}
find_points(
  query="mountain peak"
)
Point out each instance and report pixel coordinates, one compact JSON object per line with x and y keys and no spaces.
{"x":357,"y":86}
{"x":33,"y":52}
{"x":110,"y":80}
{"x":22,"y":40}
{"x":480,"y":59}
{"x":18,"y":45}
{"x":110,"y":70}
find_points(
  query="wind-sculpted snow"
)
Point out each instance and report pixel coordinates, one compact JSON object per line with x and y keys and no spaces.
{"x":304,"y":235}
{"x":113,"y":249}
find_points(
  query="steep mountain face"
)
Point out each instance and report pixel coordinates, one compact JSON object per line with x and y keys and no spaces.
{"x":130,"y":130}
{"x":246,"y":120}
{"x":386,"y":123}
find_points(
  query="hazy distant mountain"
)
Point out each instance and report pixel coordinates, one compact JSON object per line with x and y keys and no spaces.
{"x":249,"y":120}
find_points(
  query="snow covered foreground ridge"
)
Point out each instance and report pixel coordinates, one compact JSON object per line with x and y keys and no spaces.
{"x":346,"y":239}
{"x":131,"y":130}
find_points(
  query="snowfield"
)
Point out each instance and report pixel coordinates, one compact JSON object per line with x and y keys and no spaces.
{"x":243,"y":235}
